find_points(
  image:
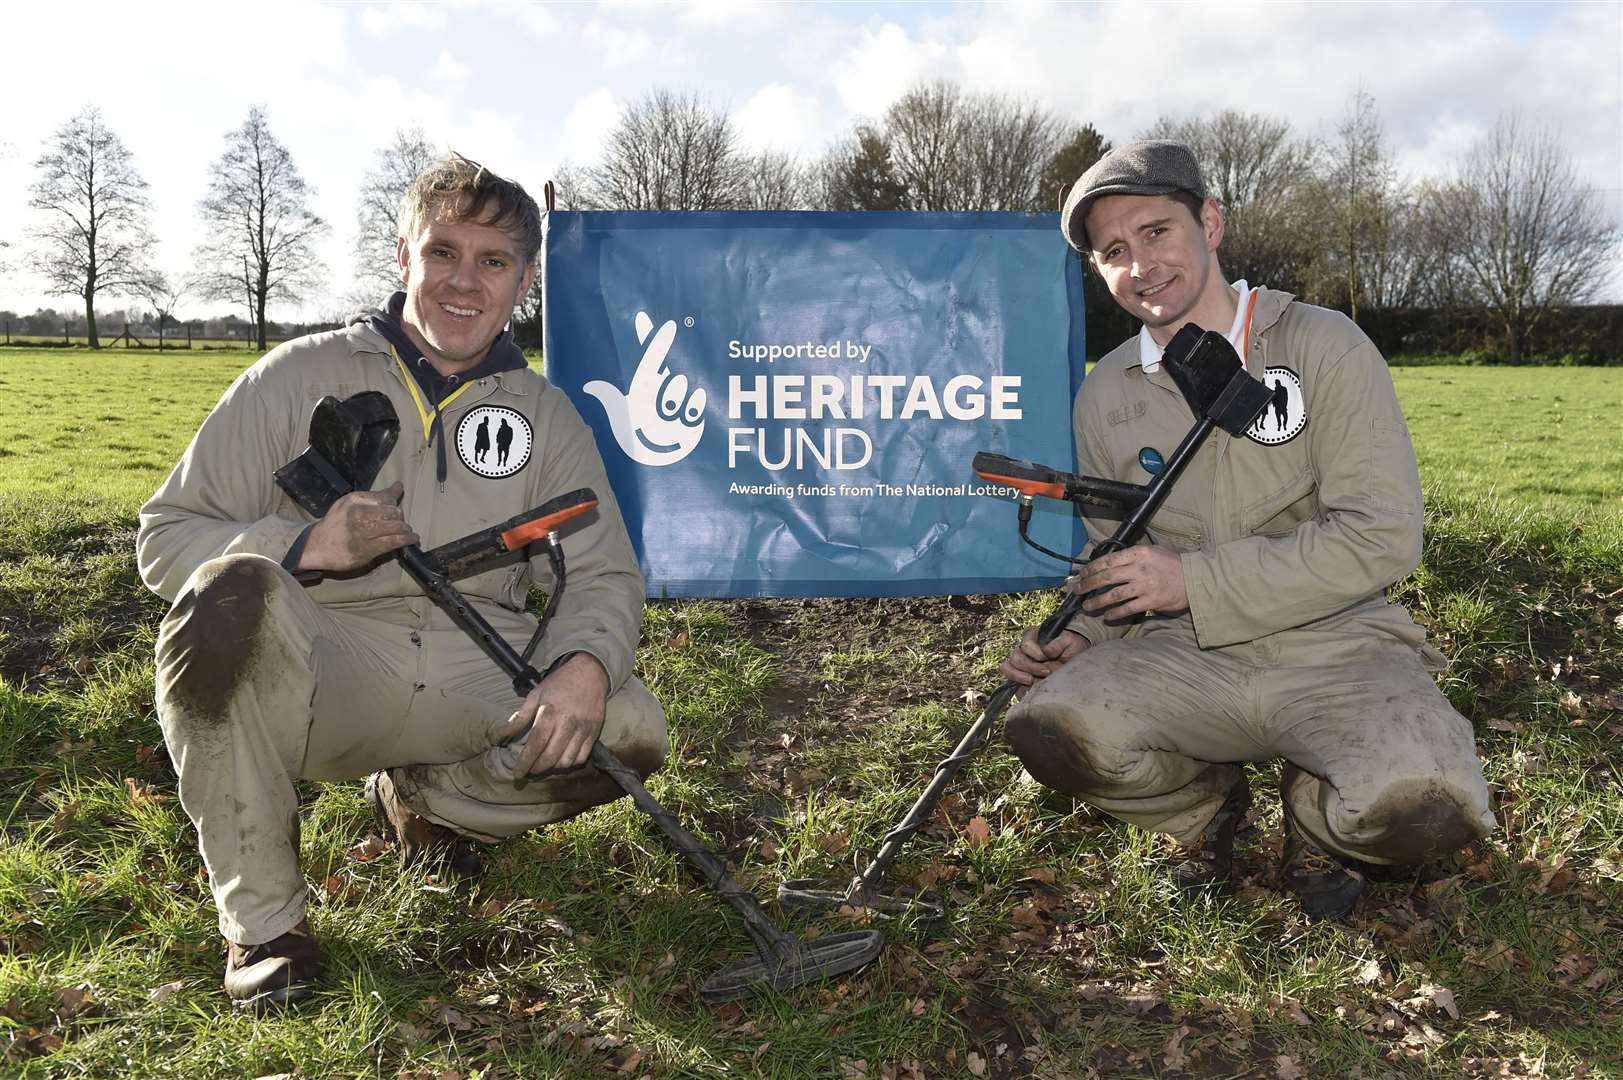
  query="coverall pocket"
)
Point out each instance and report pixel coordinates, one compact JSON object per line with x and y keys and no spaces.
{"x":1283,"y":509}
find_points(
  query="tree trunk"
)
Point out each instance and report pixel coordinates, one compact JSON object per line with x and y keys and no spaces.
{"x":90,"y":320}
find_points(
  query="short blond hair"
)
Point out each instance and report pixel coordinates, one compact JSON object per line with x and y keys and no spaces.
{"x":456,"y":188}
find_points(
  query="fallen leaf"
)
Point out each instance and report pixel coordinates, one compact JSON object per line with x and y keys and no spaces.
{"x":1172,"y":1054}
{"x":142,"y":794}
{"x":452,"y":1017}
{"x":975,"y":1063}
{"x":971,"y":697}
{"x":368,"y":849}
{"x":1600,"y":978}
{"x":1509,"y":726}
{"x":1287,"y":1068}
{"x":73,"y":1000}
{"x":678,"y":641}
{"x":978,"y":831}
{"x":166,"y":991}
{"x":492,"y":908}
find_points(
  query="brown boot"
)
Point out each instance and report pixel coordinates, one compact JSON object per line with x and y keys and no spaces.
{"x":420,"y":840}
{"x":282,"y":970}
{"x":1326,"y":887}
{"x":1206,"y":867}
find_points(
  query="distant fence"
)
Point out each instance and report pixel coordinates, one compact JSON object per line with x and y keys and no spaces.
{"x":179,"y":337}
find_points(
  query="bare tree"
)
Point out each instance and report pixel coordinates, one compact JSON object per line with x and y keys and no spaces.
{"x":775,"y":181}
{"x":1527,"y":234}
{"x":669,"y":151}
{"x":967,"y":151}
{"x":95,"y":238}
{"x":261,"y":226}
{"x":1263,"y":176}
{"x":857,"y":174}
{"x":165,"y":296}
{"x":377,"y":211}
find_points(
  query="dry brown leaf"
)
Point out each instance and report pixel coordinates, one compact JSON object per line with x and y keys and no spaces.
{"x":978,"y":831}
{"x":452,"y":1017}
{"x":73,"y":1000}
{"x":492,"y":908}
{"x":975,"y":1064}
{"x":1287,"y":1068}
{"x":368,"y":849}
{"x":1172,"y":1054}
{"x":166,"y":991}
{"x":1600,"y":978}
{"x":1511,"y":727}
{"x":142,"y":794}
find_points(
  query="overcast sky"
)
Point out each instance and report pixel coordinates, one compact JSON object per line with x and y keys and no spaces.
{"x":526,"y":87}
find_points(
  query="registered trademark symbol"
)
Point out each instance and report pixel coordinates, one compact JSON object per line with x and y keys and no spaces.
{"x":688,"y":321}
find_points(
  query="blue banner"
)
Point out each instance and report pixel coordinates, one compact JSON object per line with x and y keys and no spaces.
{"x":788,"y":403}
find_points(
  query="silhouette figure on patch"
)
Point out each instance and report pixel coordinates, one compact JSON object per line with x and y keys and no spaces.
{"x":1280,"y":404}
{"x":504,"y":441}
{"x":481,"y":440}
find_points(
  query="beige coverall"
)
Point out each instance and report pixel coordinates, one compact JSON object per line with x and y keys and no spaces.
{"x":1289,"y":647}
{"x":261,"y":680}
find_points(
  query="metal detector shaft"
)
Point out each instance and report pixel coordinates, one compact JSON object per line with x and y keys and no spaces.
{"x":773,"y":943}
{"x":1132,"y":527}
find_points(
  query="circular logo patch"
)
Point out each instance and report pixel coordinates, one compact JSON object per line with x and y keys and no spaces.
{"x":493,"y":440}
{"x":1285,"y":415}
{"x":1149,"y":459}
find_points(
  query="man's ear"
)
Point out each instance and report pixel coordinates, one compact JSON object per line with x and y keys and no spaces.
{"x":529,"y":279}
{"x":1211,"y":219}
{"x":402,"y":256}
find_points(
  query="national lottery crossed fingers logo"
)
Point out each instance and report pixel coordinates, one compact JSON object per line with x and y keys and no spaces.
{"x":659,"y":419}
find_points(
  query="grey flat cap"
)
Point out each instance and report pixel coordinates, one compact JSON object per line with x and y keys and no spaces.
{"x":1151,"y":167}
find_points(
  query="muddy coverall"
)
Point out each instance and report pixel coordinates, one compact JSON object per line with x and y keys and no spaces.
{"x":1288,"y":538}
{"x":261,"y":680}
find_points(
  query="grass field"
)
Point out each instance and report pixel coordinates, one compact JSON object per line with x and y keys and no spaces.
{"x":801,"y":730}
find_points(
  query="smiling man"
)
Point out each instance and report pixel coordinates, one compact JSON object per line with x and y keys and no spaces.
{"x":1256,"y":625}
{"x":298,"y":649}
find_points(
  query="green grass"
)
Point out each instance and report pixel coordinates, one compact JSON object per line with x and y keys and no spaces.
{"x":801,"y":730}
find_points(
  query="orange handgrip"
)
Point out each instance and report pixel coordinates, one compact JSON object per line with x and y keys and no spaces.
{"x":531,"y":531}
{"x":1025,"y":487}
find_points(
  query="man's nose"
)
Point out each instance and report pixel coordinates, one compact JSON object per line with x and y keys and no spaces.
{"x":1142,"y":265}
{"x":465,"y":275}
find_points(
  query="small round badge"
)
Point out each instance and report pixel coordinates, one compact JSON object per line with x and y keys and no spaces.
{"x":493,"y":440}
{"x":1285,"y":415}
{"x":1150,"y":459}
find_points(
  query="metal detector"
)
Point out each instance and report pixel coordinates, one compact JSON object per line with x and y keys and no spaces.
{"x":349,"y":440}
{"x":1220,"y":393}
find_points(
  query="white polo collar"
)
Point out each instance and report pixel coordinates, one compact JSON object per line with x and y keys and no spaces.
{"x":1149,"y":353}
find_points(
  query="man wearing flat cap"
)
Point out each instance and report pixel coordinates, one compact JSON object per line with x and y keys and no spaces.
{"x":1256,"y":625}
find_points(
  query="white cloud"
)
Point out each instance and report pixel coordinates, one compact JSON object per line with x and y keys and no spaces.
{"x":618,"y":47}
{"x":382,"y":19}
{"x":448,"y":68}
{"x":779,"y":117}
{"x":884,"y":63}
{"x":587,"y":126}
